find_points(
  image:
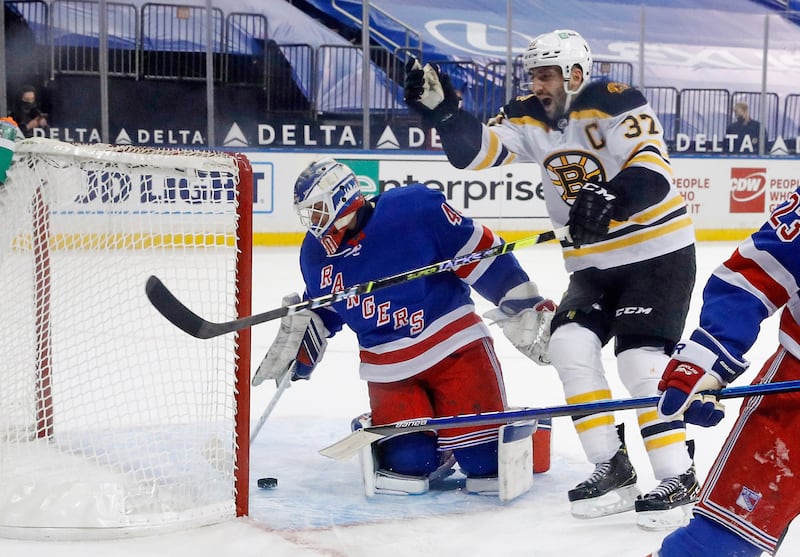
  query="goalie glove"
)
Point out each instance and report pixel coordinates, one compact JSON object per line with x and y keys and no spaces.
{"x":429,"y":93}
{"x":301,"y":342}
{"x":525,"y":316}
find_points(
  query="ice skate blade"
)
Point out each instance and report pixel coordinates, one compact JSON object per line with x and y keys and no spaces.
{"x":618,"y":501}
{"x":655,"y":521}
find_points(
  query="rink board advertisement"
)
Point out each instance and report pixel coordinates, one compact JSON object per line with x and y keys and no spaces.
{"x":726,"y":197}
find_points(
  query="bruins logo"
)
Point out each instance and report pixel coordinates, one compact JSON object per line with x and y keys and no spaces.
{"x":569,"y":171}
{"x":615,"y":87}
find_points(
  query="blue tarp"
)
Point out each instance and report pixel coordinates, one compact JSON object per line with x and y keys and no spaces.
{"x":689,"y":43}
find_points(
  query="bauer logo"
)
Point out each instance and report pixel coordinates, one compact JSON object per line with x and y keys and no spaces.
{"x":368,"y":174}
{"x":748,"y":190}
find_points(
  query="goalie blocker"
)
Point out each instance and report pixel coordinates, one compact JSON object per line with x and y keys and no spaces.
{"x":523,"y":450}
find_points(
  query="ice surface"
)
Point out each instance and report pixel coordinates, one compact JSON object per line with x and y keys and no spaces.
{"x":318,"y":507}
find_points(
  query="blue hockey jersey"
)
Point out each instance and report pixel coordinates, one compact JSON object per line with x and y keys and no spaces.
{"x":761,"y":277}
{"x":405,"y":329}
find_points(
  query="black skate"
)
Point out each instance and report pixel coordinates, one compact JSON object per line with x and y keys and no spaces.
{"x":669,"y":505}
{"x":609,"y":490}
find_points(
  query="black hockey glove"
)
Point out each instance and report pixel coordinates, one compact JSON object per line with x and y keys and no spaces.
{"x":591,"y":214}
{"x":429,"y":93}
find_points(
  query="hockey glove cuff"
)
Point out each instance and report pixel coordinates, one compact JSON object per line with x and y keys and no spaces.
{"x":312,"y":347}
{"x":705,"y":351}
{"x":592,"y":212}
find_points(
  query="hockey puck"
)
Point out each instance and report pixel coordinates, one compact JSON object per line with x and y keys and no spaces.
{"x":267,"y":483}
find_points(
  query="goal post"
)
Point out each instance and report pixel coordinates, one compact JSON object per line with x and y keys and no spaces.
{"x":113,"y":421}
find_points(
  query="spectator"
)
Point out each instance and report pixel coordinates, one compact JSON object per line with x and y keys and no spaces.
{"x":745,"y":129}
{"x":751,"y":494}
{"x":27,"y":112}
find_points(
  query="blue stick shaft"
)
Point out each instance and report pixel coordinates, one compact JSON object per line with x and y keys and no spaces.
{"x":568,"y":410}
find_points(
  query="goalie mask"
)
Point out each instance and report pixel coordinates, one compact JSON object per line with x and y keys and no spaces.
{"x":326,"y":198}
{"x":563,"y":48}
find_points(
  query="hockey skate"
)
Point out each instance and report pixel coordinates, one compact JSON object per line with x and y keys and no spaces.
{"x":670,"y":504}
{"x":609,"y":490}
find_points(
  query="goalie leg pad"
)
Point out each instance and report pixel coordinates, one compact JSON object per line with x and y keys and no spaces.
{"x":379,"y":477}
{"x":515,"y":459}
{"x":514,"y":464}
{"x":483,"y":486}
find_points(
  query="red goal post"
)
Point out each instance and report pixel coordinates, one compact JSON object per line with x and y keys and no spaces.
{"x":112,"y":421}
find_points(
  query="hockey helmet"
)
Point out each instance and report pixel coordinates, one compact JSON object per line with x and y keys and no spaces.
{"x":326,"y":198}
{"x":563,"y":48}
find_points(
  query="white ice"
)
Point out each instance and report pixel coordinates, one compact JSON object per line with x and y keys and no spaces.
{"x":318,"y":508}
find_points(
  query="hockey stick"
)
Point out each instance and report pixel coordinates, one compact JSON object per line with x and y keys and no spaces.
{"x":353,"y":443}
{"x":191,"y":323}
{"x":283,"y":383}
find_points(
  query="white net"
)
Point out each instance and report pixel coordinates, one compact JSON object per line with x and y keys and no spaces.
{"x":111,"y":419}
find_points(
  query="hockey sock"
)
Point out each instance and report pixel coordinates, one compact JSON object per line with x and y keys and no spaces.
{"x":479,"y":460}
{"x":705,"y":538}
{"x":414,"y":454}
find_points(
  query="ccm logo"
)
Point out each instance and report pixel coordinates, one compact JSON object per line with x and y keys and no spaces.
{"x":634,"y":311}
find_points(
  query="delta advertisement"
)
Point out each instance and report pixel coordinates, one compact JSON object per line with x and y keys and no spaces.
{"x":338,"y":136}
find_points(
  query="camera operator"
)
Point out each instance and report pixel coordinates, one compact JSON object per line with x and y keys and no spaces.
{"x":28,"y":114}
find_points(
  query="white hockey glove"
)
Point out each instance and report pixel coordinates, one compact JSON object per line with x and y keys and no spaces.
{"x":301,"y":342}
{"x":525,"y":318}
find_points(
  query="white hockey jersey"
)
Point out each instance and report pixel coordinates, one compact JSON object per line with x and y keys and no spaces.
{"x":610,"y":127}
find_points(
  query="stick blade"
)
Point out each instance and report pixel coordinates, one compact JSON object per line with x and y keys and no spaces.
{"x":350,"y":445}
{"x":173,"y":309}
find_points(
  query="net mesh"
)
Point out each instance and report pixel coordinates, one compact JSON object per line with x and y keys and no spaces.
{"x":111,"y":419}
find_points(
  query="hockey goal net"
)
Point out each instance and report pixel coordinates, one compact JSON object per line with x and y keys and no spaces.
{"x":113,"y":421}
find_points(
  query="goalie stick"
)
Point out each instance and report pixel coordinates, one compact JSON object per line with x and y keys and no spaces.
{"x":185,"y":319}
{"x":353,"y":443}
{"x":282,"y":383}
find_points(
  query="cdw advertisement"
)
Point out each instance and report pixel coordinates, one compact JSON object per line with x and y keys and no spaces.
{"x":734,"y":194}
{"x":727,"y":198}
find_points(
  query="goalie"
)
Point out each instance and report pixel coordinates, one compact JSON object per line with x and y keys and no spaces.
{"x":424,"y":352}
